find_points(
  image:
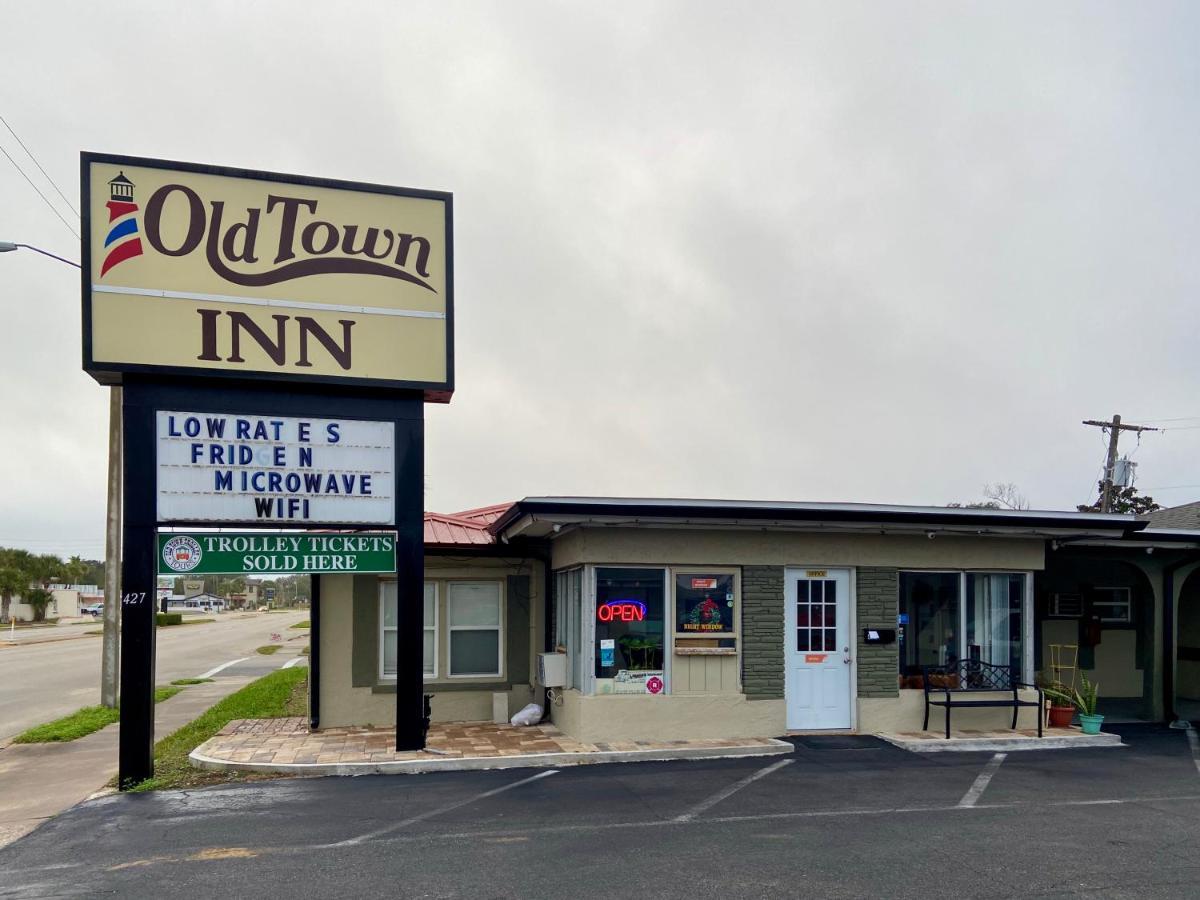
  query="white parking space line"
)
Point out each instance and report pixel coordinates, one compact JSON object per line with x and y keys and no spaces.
{"x":709,"y":802}
{"x":971,"y":797}
{"x":222,"y":667}
{"x":1194,"y":742}
{"x":294,"y":661}
{"x":412,"y":820}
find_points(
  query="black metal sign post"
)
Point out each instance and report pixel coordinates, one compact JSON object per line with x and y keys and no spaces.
{"x":410,"y":581}
{"x":142,"y":399}
{"x":138,"y":592}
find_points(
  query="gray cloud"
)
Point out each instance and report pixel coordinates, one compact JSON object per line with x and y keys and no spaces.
{"x":879,"y":252}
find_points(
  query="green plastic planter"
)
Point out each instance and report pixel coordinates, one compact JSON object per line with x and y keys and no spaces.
{"x":1090,"y":724}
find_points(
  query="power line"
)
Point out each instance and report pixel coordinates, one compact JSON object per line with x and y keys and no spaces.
{"x":53,"y":208}
{"x":1168,"y":419}
{"x":46,"y":174}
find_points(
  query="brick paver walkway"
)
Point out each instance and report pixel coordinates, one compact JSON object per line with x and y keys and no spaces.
{"x":288,"y":741}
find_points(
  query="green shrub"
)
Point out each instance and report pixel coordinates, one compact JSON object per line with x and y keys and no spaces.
{"x":168,"y":618}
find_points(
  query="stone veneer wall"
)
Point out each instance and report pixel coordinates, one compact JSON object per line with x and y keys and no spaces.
{"x":762,"y":632}
{"x":878,"y":604}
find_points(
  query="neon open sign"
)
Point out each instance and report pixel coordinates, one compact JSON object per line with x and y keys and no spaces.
{"x":621,"y":611}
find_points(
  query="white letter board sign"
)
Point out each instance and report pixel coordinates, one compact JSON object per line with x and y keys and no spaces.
{"x":218,"y":467}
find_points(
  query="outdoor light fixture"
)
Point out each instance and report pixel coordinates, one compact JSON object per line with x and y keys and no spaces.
{"x":9,"y":246}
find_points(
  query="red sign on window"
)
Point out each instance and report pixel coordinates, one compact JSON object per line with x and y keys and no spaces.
{"x":704,"y":584}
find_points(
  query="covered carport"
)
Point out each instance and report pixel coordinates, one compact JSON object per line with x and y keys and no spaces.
{"x":1132,"y":607}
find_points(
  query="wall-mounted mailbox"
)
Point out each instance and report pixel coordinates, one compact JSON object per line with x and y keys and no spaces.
{"x":879,"y":635}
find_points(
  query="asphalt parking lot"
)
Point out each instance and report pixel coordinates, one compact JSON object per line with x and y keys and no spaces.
{"x":842,"y":817}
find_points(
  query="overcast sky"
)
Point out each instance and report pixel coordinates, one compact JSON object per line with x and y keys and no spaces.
{"x":879,"y":252}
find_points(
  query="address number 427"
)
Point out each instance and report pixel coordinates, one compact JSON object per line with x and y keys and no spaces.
{"x":134,"y":598}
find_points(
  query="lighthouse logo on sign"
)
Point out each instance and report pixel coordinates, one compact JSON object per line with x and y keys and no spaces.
{"x":122,"y":241}
{"x":182,"y":554}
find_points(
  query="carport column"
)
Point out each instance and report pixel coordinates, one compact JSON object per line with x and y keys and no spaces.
{"x":138,"y":581}
{"x":410,"y":577}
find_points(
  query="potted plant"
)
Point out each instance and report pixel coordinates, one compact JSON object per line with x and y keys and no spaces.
{"x":1062,"y":707}
{"x":1084,"y":698}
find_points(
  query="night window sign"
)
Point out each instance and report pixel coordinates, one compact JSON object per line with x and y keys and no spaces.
{"x":704,"y":604}
{"x":217,"y":467}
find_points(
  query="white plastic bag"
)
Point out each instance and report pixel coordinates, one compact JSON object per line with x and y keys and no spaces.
{"x":529,"y":715}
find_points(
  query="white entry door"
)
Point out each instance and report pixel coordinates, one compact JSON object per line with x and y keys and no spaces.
{"x":817,"y":648}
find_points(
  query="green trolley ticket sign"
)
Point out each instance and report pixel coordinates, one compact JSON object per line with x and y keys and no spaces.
{"x":259,"y":553}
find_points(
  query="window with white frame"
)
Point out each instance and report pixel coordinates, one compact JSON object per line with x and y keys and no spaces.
{"x":568,"y":622}
{"x":1113,"y":604}
{"x":475,"y":626}
{"x":388,"y":626}
{"x":948,"y":616}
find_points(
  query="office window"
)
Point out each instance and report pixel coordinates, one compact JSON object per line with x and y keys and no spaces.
{"x":948,"y":616}
{"x":568,"y":622}
{"x":387,"y":630}
{"x":474,"y":622}
{"x":630,"y":630}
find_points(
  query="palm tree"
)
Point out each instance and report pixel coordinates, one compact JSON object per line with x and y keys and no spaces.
{"x":45,"y":568}
{"x":76,"y":570}
{"x":14,"y":577}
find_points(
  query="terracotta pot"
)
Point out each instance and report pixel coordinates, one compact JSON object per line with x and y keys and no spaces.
{"x":1060,"y":716}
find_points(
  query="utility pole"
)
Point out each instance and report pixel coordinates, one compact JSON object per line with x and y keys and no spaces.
{"x":110,"y":659}
{"x":1114,"y":428}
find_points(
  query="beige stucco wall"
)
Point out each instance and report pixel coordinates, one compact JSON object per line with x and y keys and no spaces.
{"x":1116,"y":672}
{"x":65,"y":606}
{"x":667,"y":718}
{"x":343,"y":704}
{"x":782,"y":548}
{"x":906,"y":714}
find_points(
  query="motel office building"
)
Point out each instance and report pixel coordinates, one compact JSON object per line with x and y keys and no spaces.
{"x":683,"y":619}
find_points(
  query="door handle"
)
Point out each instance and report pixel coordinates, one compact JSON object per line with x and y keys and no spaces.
{"x":846,"y":658}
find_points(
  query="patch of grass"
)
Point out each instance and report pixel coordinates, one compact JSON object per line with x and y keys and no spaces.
{"x":196,"y":621}
{"x":268,"y":649}
{"x":187,"y":681}
{"x":304,"y":652}
{"x":82,"y":722}
{"x":305,"y":624}
{"x":270,"y":697}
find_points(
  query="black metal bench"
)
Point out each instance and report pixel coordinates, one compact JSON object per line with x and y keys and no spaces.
{"x":970,"y":676}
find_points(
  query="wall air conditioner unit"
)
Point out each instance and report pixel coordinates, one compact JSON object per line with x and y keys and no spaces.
{"x":552,"y":670}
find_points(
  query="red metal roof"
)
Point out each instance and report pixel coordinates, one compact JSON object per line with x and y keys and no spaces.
{"x":455,"y":531}
{"x":484,"y":515}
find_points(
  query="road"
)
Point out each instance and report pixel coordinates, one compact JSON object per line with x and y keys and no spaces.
{"x":45,"y":680}
{"x":842,"y":817}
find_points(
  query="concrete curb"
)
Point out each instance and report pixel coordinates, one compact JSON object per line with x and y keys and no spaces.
{"x":1002,"y":745}
{"x":476,"y":763}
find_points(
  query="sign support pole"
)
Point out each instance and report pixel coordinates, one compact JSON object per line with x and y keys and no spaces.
{"x":139,"y":582}
{"x":410,"y":579}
